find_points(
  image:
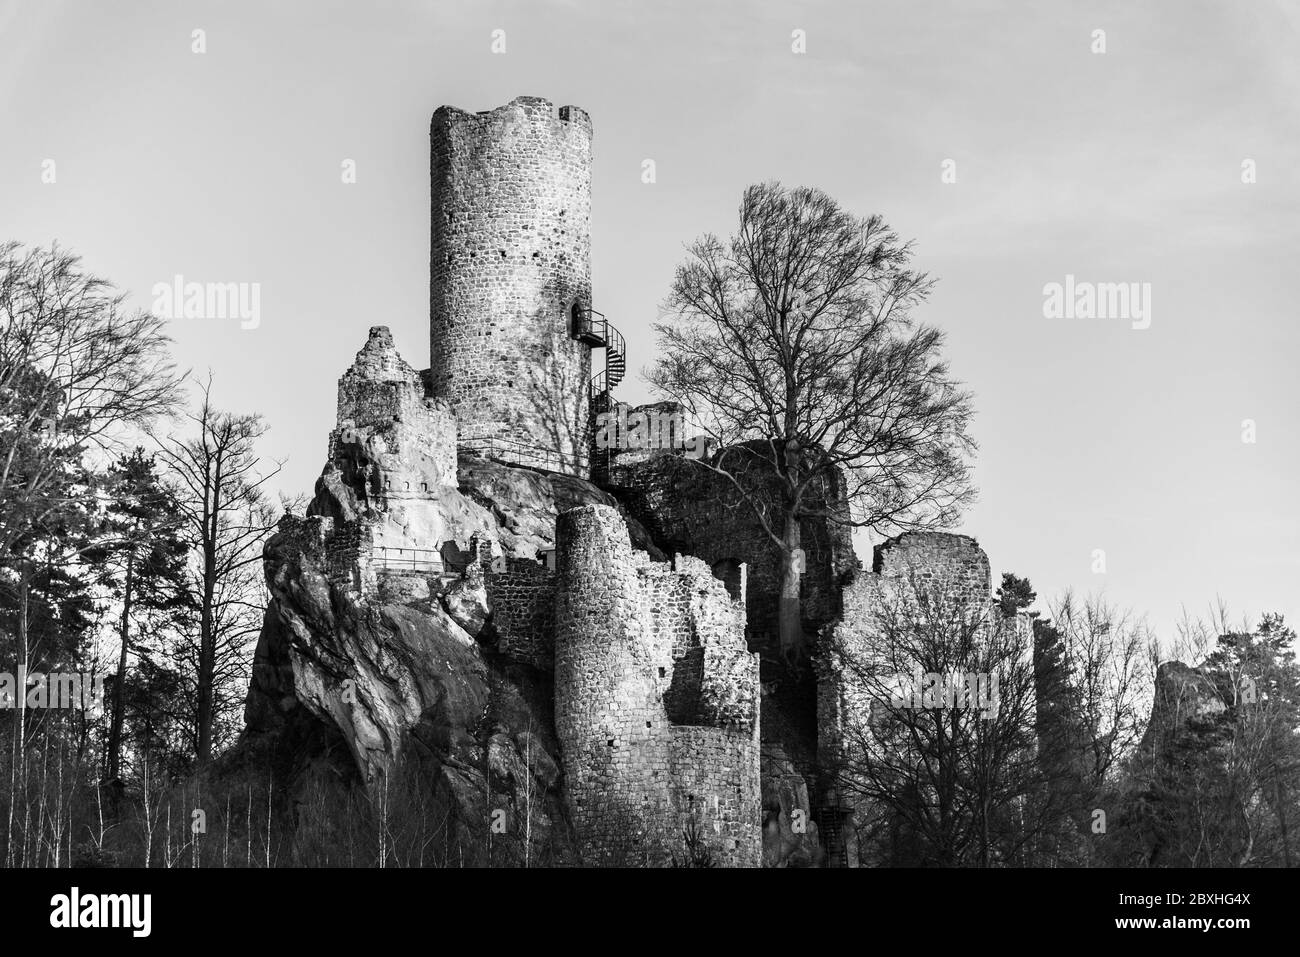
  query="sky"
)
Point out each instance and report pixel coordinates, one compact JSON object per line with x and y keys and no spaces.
{"x":995,"y":135}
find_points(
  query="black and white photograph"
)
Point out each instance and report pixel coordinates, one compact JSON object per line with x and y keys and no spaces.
{"x":591,"y":437}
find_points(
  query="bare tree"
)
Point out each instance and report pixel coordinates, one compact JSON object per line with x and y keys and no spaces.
{"x":793,"y":348}
{"x":219,"y":483}
{"x":932,"y":764}
{"x":1106,"y":655}
{"x":78,"y":372}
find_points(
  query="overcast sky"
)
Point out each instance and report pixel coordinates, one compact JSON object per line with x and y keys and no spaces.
{"x":1125,"y":166}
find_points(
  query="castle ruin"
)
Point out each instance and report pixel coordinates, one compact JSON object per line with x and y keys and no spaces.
{"x":472,"y":497}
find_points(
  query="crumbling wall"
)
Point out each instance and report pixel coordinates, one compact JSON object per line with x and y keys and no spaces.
{"x":956,"y":562}
{"x":686,"y":508}
{"x":517,"y":564}
{"x":400,"y":444}
{"x":940,"y":562}
{"x":389,"y":487}
{"x":637,"y":777}
{"x":942,"y":565}
{"x":522,"y":598}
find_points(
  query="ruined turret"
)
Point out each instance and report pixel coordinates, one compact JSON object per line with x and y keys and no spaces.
{"x":656,"y":701}
{"x":510,"y":280}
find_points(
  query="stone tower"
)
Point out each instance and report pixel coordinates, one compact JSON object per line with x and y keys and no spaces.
{"x":512,"y":328}
{"x":656,"y":700}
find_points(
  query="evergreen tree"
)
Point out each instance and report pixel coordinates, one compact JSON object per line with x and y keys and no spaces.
{"x":142,"y":564}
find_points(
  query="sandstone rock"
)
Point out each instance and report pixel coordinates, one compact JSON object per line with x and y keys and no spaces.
{"x":525,"y":504}
{"x":466,"y":601}
{"x":390,"y":683}
{"x":537,"y":755}
{"x":790,"y":836}
{"x":371,"y":671}
{"x":1182,"y":694}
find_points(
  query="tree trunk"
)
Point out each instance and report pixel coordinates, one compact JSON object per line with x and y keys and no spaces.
{"x":211,"y":538}
{"x":1281,"y":818}
{"x":18,"y":769}
{"x":207,"y":656}
{"x":113,"y":771}
{"x":789,"y":614}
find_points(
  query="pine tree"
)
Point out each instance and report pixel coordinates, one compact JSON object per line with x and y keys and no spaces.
{"x":142,"y":564}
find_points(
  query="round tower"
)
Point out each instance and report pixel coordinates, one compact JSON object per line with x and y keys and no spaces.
{"x":609,"y":716}
{"x":510,"y":280}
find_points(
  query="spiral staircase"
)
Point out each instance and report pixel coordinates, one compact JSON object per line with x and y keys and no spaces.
{"x":594,"y":329}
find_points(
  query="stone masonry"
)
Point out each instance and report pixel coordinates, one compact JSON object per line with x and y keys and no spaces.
{"x":950,"y":570}
{"x":689,"y":509}
{"x":510,"y":261}
{"x":393,"y":456}
{"x":656,"y":701}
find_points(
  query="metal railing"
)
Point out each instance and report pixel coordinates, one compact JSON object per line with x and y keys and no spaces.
{"x":614,"y":341}
{"x":592,"y":327}
{"x":420,"y":560}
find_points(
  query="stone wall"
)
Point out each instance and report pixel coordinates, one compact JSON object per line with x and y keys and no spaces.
{"x":954,"y":561}
{"x":637,"y":776}
{"x":687,"y":509}
{"x":511,"y":256}
{"x":715,"y":779}
{"x":522,"y":599}
{"x":399,"y":449}
{"x":348,"y":552}
{"x":950,"y":568}
{"x":382,"y":396}
{"x":939,"y":562}
{"x":389,"y":489}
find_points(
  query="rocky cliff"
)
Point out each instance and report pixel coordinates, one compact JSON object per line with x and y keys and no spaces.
{"x":381,"y":663}
{"x":407,"y":660}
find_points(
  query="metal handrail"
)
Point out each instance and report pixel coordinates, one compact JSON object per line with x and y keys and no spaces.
{"x":593,"y":323}
{"x":416,"y":559}
{"x":614,"y":340}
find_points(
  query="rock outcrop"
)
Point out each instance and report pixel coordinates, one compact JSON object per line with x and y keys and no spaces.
{"x":1182,"y":695}
{"x":397,"y":635}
